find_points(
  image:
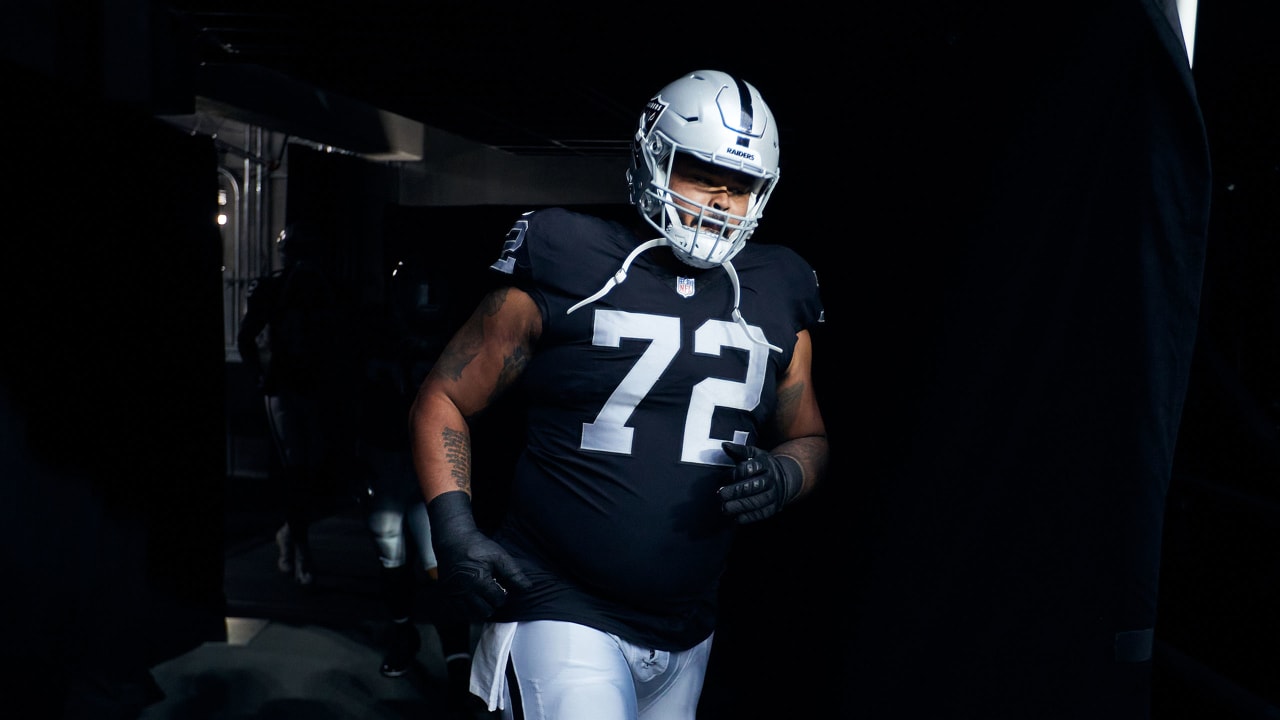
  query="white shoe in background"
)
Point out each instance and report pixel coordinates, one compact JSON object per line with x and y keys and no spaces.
{"x":285,"y":544}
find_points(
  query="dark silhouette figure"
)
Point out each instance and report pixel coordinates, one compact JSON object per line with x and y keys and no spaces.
{"x":289,"y":339}
{"x":405,"y":339}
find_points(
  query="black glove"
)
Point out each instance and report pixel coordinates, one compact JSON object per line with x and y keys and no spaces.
{"x":475,"y":571}
{"x":762,"y":483}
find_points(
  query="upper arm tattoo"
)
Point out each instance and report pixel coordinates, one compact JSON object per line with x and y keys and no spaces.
{"x":470,"y":338}
{"x":466,"y":343}
{"x":788,"y":400}
{"x":512,"y":366}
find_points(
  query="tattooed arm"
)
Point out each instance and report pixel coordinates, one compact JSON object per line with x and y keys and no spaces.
{"x":482,"y":360}
{"x":798,"y":421}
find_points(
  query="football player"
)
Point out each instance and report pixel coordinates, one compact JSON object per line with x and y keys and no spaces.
{"x":665,"y":367}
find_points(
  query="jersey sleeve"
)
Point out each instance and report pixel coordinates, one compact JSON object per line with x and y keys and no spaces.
{"x":514,"y":259}
{"x":791,"y":282}
{"x":562,"y":254}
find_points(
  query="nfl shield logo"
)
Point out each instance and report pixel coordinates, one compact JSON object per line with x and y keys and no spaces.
{"x":684,"y":286}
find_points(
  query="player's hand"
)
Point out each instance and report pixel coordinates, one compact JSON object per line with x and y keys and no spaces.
{"x":475,"y":571}
{"x":762,"y":483}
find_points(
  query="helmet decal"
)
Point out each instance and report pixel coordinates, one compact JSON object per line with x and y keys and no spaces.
{"x":744,"y":101}
{"x":652,"y":111}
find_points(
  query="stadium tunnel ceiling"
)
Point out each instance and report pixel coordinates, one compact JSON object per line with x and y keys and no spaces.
{"x":571,"y":78}
{"x":514,"y":77}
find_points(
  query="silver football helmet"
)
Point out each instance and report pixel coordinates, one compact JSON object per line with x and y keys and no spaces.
{"x":716,"y":118}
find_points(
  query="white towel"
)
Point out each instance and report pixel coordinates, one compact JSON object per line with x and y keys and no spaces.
{"x":489,"y":665}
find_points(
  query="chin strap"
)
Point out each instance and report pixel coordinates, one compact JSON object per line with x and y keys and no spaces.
{"x":619,"y":276}
{"x":753,"y":333}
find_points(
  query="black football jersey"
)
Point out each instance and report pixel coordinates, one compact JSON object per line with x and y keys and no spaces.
{"x":614,"y":507}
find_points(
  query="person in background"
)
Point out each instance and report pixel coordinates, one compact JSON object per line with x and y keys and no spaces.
{"x":406,"y":338}
{"x":665,"y":367}
{"x":288,"y":338}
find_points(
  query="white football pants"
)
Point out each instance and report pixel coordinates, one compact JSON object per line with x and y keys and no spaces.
{"x":566,"y":671}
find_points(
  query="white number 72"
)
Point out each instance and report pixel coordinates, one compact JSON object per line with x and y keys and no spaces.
{"x":609,"y":432}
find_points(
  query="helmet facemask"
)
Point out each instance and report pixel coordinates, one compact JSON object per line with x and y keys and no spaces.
{"x":699,"y":235}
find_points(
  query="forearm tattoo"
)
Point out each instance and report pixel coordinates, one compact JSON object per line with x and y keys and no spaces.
{"x":457,"y":451}
{"x":811,"y":453}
